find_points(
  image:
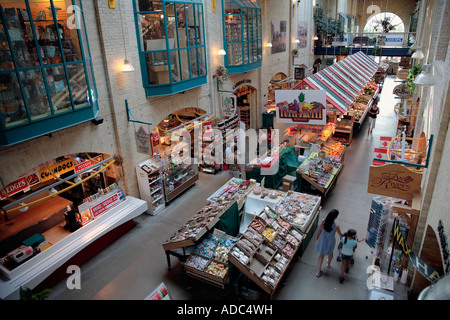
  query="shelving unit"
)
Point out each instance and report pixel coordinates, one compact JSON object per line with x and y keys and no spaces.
{"x":151,"y":187}
{"x":179,"y":179}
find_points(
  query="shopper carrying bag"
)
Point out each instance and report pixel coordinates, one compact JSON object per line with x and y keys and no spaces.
{"x":326,"y":239}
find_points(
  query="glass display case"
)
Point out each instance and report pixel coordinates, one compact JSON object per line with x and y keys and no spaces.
{"x":44,"y":69}
{"x":242,"y":35}
{"x":178,"y":178}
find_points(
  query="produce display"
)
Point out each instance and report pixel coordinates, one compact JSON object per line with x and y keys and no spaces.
{"x":327,"y":131}
{"x":266,"y":248}
{"x":334,"y":149}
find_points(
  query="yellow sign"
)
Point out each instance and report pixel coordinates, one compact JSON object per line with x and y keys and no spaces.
{"x":56,"y":169}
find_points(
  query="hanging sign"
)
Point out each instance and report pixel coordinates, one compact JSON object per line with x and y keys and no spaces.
{"x":390,"y":40}
{"x":228,"y":106}
{"x":56,"y":169}
{"x":394,"y":180}
{"x":402,"y":74}
{"x":143,"y":141}
{"x":14,"y":187}
{"x":427,"y":271}
{"x":301,"y":106}
{"x":88,"y":163}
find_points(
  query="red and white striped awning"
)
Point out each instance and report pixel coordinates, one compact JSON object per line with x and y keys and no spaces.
{"x":344,"y":80}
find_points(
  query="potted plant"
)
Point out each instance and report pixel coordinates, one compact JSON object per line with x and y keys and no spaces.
{"x":413,"y":72}
{"x":295,"y":52}
{"x":221,"y":73}
{"x":27,"y":294}
{"x":376,"y":51}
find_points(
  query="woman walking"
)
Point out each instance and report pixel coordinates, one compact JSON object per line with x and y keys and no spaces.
{"x":373,"y":111}
{"x":326,"y":239}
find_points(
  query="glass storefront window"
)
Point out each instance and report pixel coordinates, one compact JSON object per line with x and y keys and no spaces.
{"x":171,"y":45}
{"x":45,"y":61}
{"x":242,"y":33}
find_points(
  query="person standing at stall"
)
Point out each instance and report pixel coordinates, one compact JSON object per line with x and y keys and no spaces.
{"x":326,"y":239}
{"x":373,"y":111}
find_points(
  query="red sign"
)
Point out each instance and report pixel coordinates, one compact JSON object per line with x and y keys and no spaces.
{"x":88,"y":163}
{"x":15,"y":187}
{"x":105,"y":205}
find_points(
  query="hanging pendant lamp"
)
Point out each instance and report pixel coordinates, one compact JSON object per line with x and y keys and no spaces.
{"x":426,"y":77}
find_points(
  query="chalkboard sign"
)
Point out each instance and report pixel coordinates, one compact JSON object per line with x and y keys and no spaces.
{"x":299,"y":73}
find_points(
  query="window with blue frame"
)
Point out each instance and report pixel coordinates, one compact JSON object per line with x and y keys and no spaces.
{"x":46,"y":79}
{"x":242,"y":34}
{"x":171,"y":42}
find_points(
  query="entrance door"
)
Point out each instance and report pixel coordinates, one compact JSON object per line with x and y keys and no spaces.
{"x":246,"y":102}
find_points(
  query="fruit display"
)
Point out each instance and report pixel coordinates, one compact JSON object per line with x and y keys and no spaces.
{"x":327,"y":131}
{"x":335,"y":149}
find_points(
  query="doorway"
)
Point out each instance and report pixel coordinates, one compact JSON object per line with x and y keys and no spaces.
{"x":246,"y":101}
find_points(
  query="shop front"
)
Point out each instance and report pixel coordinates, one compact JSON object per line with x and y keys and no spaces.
{"x":55,"y":211}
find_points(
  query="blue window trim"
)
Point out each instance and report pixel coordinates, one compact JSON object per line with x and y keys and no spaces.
{"x":252,"y":10}
{"x":34,"y":128}
{"x":172,"y":87}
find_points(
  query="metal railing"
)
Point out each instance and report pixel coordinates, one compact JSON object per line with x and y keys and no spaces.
{"x":370,"y":39}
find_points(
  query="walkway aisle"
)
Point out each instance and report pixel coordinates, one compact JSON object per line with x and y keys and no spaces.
{"x":350,"y":197}
{"x":135,"y":264}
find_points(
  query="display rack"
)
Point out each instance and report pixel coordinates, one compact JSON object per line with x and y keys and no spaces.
{"x":151,"y":188}
{"x":263,"y":253}
{"x":178,"y":179}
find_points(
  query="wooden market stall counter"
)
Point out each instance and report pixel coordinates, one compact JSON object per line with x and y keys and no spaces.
{"x":67,"y":246}
{"x":37,"y":219}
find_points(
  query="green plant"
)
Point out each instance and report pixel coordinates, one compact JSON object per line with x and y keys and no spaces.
{"x":327,"y":25}
{"x":376,"y":51}
{"x":295,"y":52}
{"x":27,"y":294}
{"x":413,"y":72}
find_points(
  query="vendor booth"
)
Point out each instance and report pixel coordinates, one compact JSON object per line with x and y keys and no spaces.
{"x":56,"y":213}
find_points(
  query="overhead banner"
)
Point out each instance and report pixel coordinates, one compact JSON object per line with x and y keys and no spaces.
{"x":428,"y":272}
{"x":301,"y":106}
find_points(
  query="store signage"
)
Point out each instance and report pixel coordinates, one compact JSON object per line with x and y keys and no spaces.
{"x":105,"y":205}
{"x":299,"y":72}
{"x":14,"y":187}
{"x":444,"y":246}
{"x":402,"y":74}
{"x":241,"y":83}
{"x":143,"y":141}
{"x":390,"y":40}
{"x":427,"y":271}
{"x":394,"y":180}
{"x":301,"y":106}
{"x":228,"y":106}
{"x":56,"y":169}
{"x":87,"y":164}
{"x":379,"y":153}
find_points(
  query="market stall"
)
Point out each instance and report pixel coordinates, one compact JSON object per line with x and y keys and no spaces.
{"x":54,"y":218}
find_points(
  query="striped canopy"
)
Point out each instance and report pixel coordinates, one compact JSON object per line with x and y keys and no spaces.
{"x":344,"y":80}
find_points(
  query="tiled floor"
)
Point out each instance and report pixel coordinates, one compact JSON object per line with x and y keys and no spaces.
{"x":135,"y":264}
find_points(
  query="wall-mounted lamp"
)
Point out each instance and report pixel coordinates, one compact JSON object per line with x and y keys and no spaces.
{"x":316,"y":37}
{"x":297,"y":40}
{"x":221,"y":52}
{"x":127,"y":66}
{"x":269,"y":44}
{"x":426,"y":77}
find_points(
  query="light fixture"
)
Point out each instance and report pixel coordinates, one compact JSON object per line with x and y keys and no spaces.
{"x":23,"y":209}
{"x":127,"y":66}
{"x":426,"y":77}
{"x":221,"y":52}
{"x":269,"y":44}
{"x":297,"y":40}
{"x":53,"y":191}
{"x":316,"y":37}
{"x":77,"y":179}
{"x":418,"y":54}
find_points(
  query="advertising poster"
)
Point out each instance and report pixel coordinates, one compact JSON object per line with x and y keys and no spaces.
{"x":301,"y":106}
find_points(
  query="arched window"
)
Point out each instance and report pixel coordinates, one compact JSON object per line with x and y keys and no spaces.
{"x":384,"y":22}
